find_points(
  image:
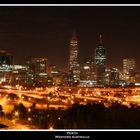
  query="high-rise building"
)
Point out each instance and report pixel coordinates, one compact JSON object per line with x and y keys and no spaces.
{"x":55,"y":74}
{"x":5,"y":58}
{"x":39,"y":65}
{"x":128,"y":65}
{"x":52,"y":69}
{"x":87,"y":70}
{"x":6,"y":64}
{"x":129,"y":70}
{"x":20,"y":76}
{"x":73,"y":60}
{"x":111,"y":76}
{"x":100,"y":62}
{"x":114,"y":75}
{"x":87,"y":73}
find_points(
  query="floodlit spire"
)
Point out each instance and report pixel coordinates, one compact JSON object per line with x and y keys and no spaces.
{"x":100,"y":39}
{"x":74,"y":36}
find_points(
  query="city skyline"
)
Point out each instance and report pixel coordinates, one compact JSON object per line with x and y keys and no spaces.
{"x":31,"y":31}
{"x":69,"y":68}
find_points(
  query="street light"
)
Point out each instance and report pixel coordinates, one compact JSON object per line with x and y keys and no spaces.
{"x":48,"y":98}
{"x":51,"y":128}
{"x":29,"y":109}
{"x":16,"y":113}
{"x":29,"y":119}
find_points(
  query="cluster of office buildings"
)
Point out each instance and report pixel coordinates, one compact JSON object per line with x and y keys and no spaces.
{"x":92,"y":72}
{"x":35,"y":73}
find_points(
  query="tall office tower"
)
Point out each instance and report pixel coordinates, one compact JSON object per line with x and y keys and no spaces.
{"x":73,"y":60}
{"x":114,"y":76}
{"x":39,"y":65}
{"x":87,"y":73}
{"x":100,"y":60}
{"x":129,"y":69}
{"x":5,"y":58}
{"x":38,"y":69}
{"x":6,"y":65}
{"x":128,"y":65}
{"x":87,"y":70}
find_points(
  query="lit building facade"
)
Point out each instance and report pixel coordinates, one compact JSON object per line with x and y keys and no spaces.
{"x":20,"y":76}
{"x":114,"y":76}
{"x":15,"y":75}
{"x":87,"y":73}
{"x":40,"y":65}
{"x":56,"y":75}
{"x":39,"y":69}
{"x":111,"y":76}
{"x":73,"y":60}
{"x":5,"y":70}
{"x":6,"y":66}
{"x":129,"y":70}
{"x":87,"y":70}
{"x":52,"y":69}
{"x":100,"y":62}
{"x":6,"y":58}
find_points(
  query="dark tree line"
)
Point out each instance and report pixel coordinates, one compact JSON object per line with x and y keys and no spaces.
{"x":90,"y":116}
{"x":94,"y":116}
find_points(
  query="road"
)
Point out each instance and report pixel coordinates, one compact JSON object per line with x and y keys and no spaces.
{"x":63,"y":98}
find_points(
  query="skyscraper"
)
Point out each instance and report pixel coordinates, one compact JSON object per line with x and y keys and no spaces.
{"x":87,"y":73}
{"x":128,"y":65}
{"x":129,"y":70}
{"x":87,"y":69}
{"x":6,"y":65}
{"x":39,"y":65}
{"x":5,"y":58}
{"x":73,"y":60}
{"x":111,"y":76}
{"x":100,"y":61}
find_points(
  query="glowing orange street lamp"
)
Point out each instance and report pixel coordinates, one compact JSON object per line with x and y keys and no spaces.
{"x":50,"y":128}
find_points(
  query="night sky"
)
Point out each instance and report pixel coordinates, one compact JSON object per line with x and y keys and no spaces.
{"x":45,"y":31}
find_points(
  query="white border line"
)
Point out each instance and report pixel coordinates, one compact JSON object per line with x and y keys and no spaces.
{"x":70,"y":5}
{"x":80,"y":130}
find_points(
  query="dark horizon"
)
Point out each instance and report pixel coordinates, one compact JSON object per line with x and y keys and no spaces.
{"x":46,"y":31}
